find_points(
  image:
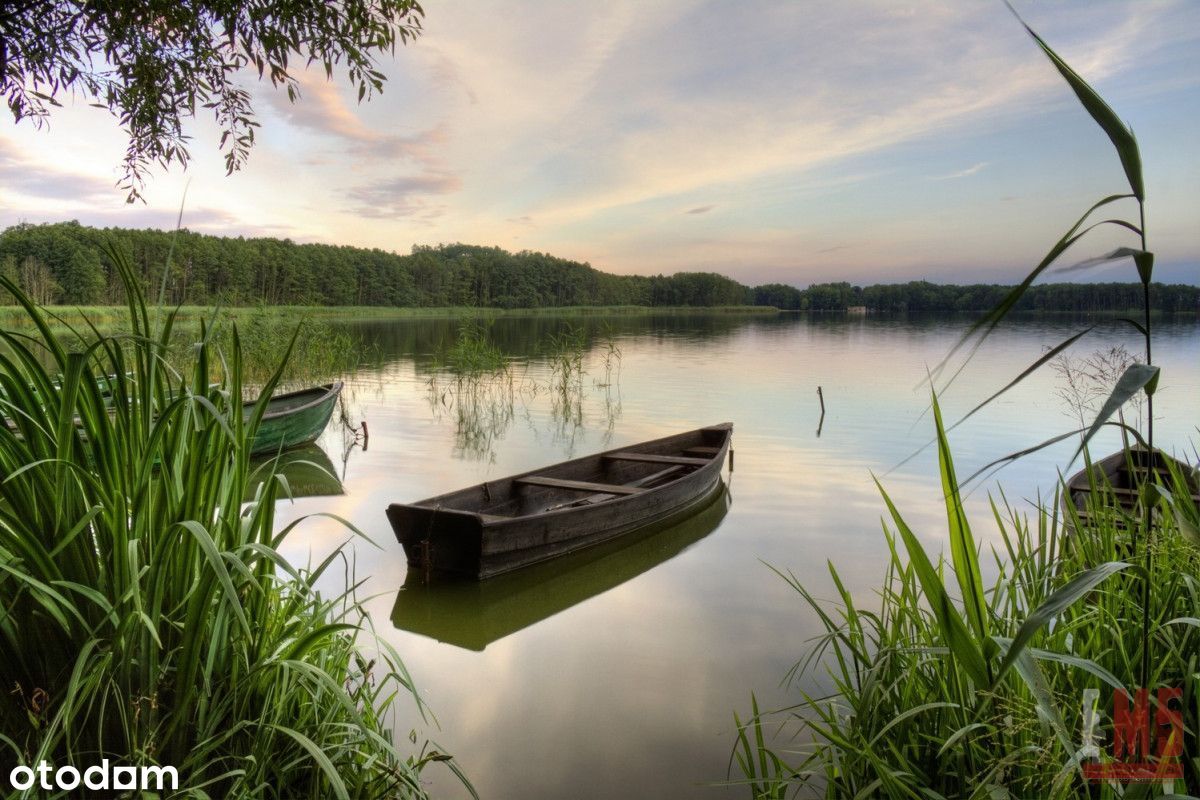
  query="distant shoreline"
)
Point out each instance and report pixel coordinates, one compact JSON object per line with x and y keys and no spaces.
{"x":67,"y":264}
{"x":106,"y":315}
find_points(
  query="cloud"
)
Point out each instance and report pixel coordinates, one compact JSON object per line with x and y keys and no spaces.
{"x":405,"y":196}
{"x":22,"y":177}
{"x":700,"y":210}
{"x":322,"y":108}
{"x":974,"y":169}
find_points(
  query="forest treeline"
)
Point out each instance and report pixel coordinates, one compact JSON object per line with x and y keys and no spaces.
{"x":65,"y":263}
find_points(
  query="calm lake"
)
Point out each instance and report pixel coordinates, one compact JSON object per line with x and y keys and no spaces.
{"x":617,"y":673}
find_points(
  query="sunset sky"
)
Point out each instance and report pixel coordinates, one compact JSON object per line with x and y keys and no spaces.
{"x":770,"y":141}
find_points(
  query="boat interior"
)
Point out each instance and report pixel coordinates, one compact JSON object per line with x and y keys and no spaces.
{"x":590,"y":480}
{"x":1121,"y":480}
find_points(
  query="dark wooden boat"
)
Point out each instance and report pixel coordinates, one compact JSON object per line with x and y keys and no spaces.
{"x":1113,"y":484}
{"x":502,"y":525}
{"x":473,"y":614}
{"x":294,"y":418}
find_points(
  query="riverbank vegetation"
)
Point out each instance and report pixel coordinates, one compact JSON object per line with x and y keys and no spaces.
{"x":149,"y":617}
{"x":64,"y":263}
{"x":951,"y":688}
{"x":942,"y":687}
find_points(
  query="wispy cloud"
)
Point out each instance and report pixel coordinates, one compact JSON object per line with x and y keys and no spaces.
{"x":604,"y":131}
{"x":407,"y":196}
{"x":323,"y":109}
{"x":974,"y":169}
{"x":19,"y":176}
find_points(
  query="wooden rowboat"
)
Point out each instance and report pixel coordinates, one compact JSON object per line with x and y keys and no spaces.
{"x":294,"y":418}
{"x":502,"y":525}
{"x":473,"y":614}
{"x":1115,"y":482}
{"x":290,"y":420}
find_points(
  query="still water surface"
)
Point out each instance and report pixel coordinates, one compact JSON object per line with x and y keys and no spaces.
{"x":616,"y":673}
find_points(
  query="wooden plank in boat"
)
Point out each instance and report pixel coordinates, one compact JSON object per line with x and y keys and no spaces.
{"x":596,"y":498}
{"x":703,"y":451}
{"x":655,"y":459}
{"x":578,"y":486}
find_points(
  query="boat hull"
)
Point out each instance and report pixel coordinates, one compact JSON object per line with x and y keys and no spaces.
{"x":294,"y":419}
{"x":1117,"y":486}
{"x":503,"y":525}
{"x":474,"y":614}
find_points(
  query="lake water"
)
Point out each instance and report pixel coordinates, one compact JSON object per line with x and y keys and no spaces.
{"x":617,"y":673}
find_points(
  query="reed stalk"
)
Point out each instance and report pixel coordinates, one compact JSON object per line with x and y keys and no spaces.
{"x":147,"y":615}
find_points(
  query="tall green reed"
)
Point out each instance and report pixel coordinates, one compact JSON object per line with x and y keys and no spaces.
{"x":148,"y":616}
{"x":925,"y":701}
{"x":1137,"y":377}
{"x":950,"y":688}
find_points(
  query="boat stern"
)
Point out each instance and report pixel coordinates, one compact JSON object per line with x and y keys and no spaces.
{"x":438,"y":539}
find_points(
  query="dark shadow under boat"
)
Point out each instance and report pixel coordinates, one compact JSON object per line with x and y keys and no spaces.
{"x":473,"y":614}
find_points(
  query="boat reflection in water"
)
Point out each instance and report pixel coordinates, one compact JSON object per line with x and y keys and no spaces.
{"x":473,"y":614}
{"x":308,"y":470}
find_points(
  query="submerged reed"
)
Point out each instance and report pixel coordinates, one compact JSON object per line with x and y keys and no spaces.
{"x":146,"y":614}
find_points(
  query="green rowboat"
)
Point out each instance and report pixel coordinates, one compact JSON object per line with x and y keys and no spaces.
{"x":294,"y":418}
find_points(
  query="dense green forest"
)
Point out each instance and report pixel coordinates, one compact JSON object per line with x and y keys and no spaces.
{"x":64,"y":263}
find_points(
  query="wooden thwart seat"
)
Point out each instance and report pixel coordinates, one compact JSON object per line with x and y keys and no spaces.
{"x":656,"y":459}
{"x":602,"y":496}
{"x":578,"y":486}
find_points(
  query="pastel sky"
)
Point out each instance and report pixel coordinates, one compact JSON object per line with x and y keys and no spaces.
{"x":770,"y":141}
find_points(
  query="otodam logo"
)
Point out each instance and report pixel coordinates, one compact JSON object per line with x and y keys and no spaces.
{"x":1147,"y":742}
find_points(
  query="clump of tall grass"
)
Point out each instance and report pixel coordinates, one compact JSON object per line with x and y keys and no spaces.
{"x":565,"y":352}
{"x":473,"y":352}
{"x":321,"y":350}
{"x":950,"y":688}
{"x":954,"y":689}
{"x":611,"y":355}
{"x":147,"y":616}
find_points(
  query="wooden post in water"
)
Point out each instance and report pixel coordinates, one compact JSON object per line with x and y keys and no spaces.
{"x":821,"y":421}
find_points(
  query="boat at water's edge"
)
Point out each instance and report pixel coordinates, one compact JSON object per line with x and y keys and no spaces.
{"x":294,"y":418}
{"x":501,"y":525}
{"x":1116,"y":482}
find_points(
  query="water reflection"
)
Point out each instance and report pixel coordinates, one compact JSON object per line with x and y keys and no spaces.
{"x":306,"y":471}
{"x":473,"y":614}
{"x":646,"y":675}
{"x":483,"y":407}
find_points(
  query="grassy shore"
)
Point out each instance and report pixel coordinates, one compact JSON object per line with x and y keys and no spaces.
{"x":147,"y":615}
{"x":105,"y":317}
